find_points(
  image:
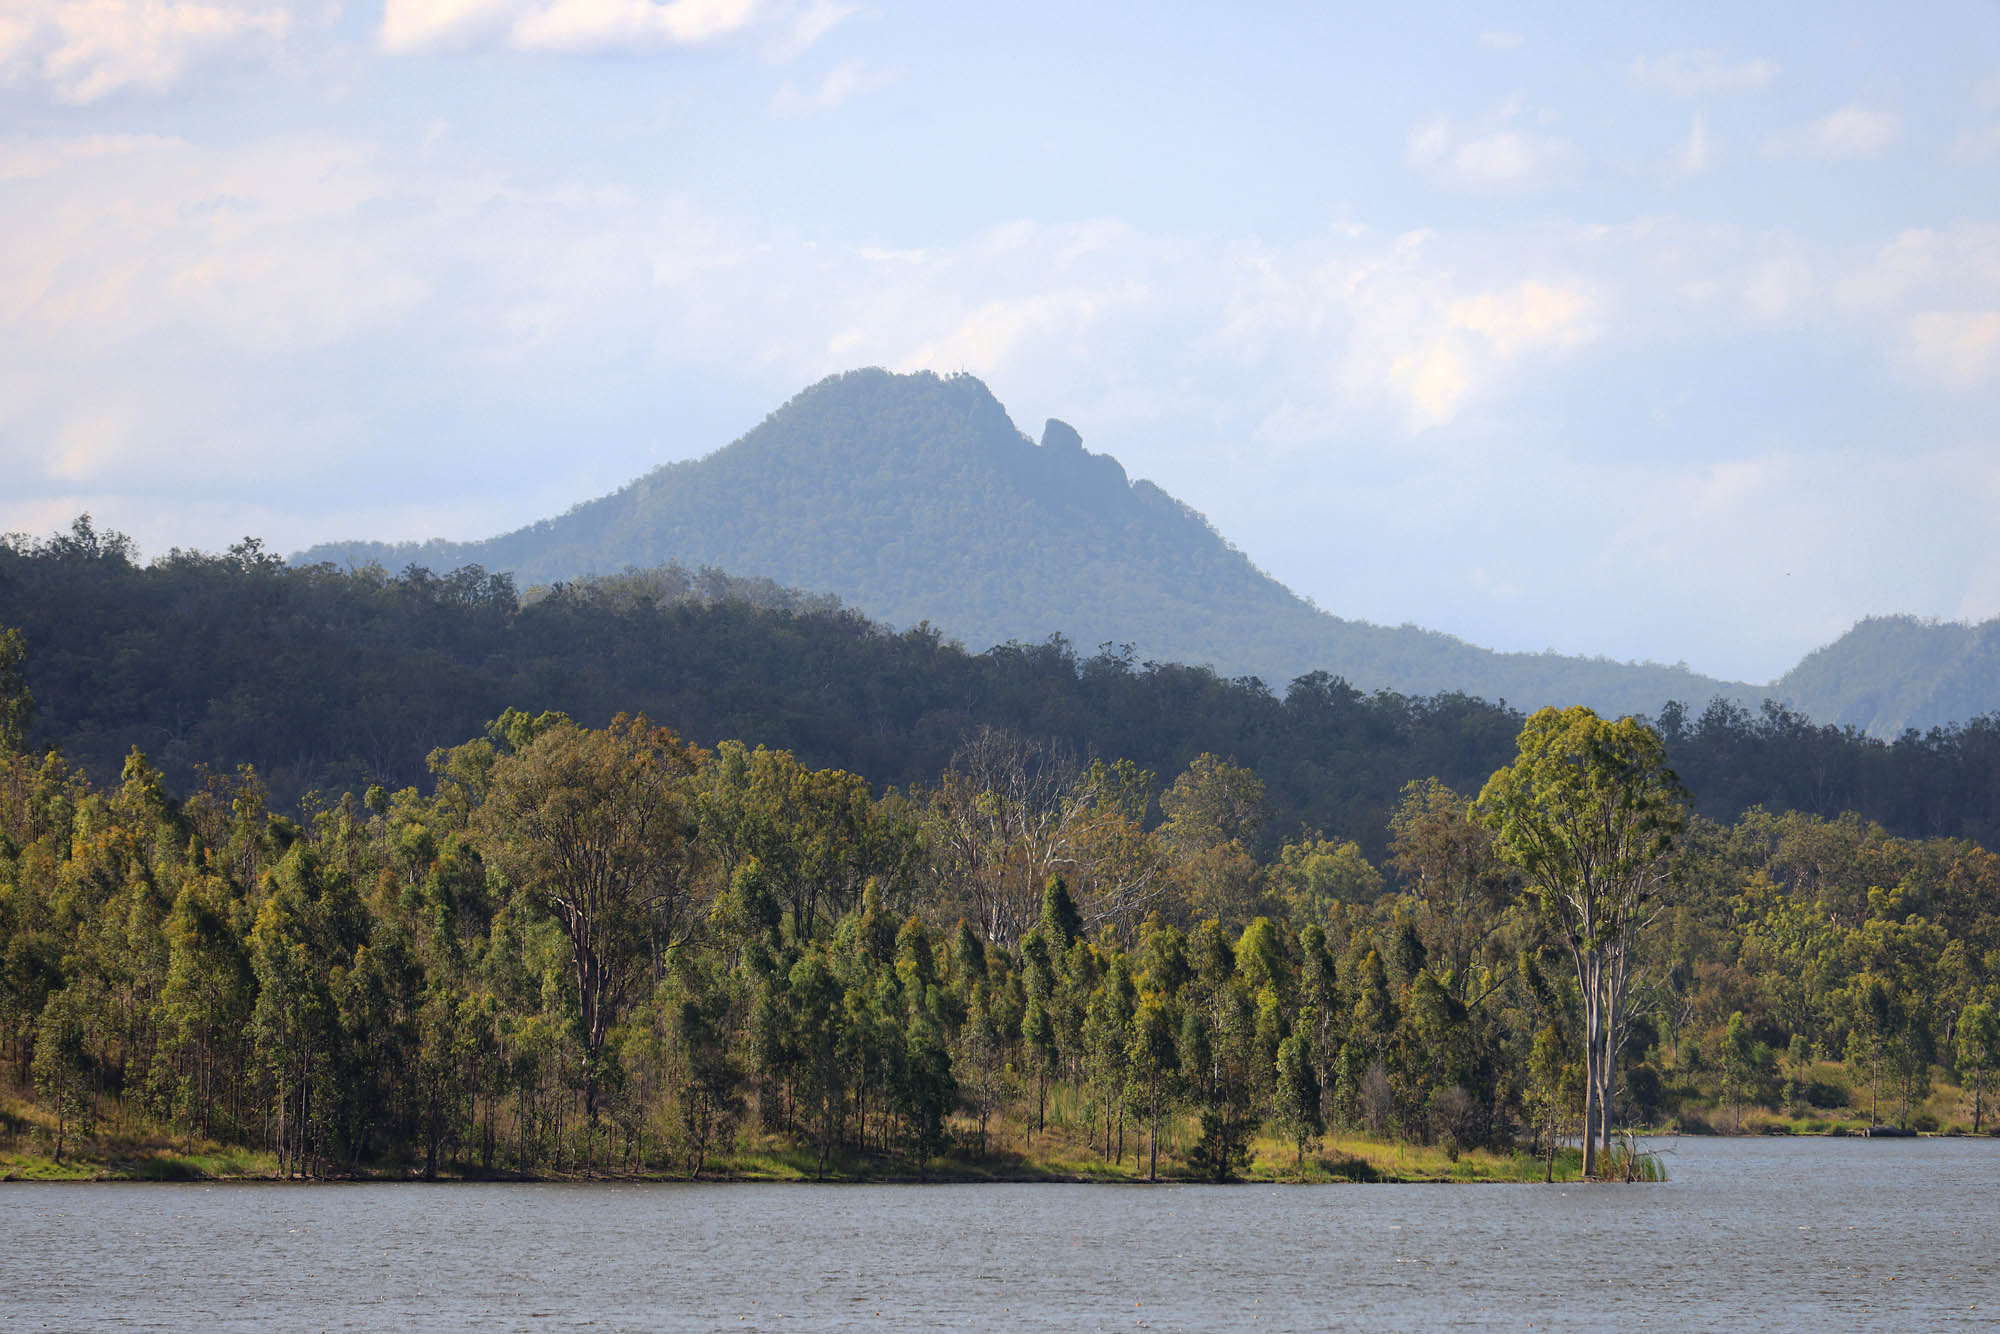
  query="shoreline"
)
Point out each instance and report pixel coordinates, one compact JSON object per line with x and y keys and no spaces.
{"x":170,"y":1169}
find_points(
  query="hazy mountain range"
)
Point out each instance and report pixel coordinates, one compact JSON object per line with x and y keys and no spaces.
{"x":916,"y":498}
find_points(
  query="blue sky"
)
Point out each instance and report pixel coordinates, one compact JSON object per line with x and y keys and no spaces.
{"x":1669,"y":336}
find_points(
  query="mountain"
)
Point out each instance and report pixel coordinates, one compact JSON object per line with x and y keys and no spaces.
{"x":915,"y":498}
{"x":1894,"y":672}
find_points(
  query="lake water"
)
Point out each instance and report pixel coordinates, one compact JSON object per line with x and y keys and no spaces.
{"x":1771,"y":1234}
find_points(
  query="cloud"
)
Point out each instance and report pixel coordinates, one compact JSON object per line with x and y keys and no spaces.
{"x":1432,"y":382}
{"x":1502,"y":41}
{"x":990,"y":337}
{"x":1905,"y":266}
{"x":1390,"y":331}
{"x":1694,"y":156}
{"x":1528,"y":317}
{"x":1957,"y":348}
{"x":846,"y":80}
{"x":808,"y":24}
{"x":1702,"y":73}
{"x":83,"y":51}
{"x":1463,"y":345}
{"x":1495,"y":157}
{"x":208,"y":340}
{"x":1977,"y":143}
{"x":625,"y":25}
{"x":1778,"y":287}
{"x":1851,"y":132}
{"x":562,"y":26}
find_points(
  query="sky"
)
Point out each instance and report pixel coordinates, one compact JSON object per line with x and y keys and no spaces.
{"x":1668,"y":336}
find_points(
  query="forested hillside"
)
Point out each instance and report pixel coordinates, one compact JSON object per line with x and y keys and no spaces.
{"x":588,"y":951}
{"x":916,"y":499}
{"x":331,"y":681}
{"x":1890,"y":673}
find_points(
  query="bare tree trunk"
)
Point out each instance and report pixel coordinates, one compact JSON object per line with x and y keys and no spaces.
{"x":1590,"y":974}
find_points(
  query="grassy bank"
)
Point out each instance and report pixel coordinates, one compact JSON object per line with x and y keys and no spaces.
{"x":131,"y":1153}
{"x":1839,"y":1105}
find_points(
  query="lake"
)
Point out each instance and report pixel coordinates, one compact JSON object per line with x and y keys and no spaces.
{"x":1774,"y":1234}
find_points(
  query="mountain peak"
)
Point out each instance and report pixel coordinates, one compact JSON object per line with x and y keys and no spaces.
{"x":915,"y":497}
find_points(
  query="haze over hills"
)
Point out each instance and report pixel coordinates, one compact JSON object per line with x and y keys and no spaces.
{"x":915,"y":498}
{"x":1890,"y":673}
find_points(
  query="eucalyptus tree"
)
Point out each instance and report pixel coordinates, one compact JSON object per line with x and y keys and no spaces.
{"x":596,"y":824}
{"x":1298,"y":1090}
{"x":1445,"y":858}
{"x":62,"y":1065}
{"x":1153,"y":1062}
{"x":17,"y":705}
{"x":1589,"y":813}
{"x":1978,"y":1056}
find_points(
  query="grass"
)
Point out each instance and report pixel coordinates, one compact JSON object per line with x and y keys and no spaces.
{"x":131,"y":1151}
{"x":1945,"y":1107}
{"x":1350,"y":1157}
{"x":91,"y":1161}
{"x":122,"y":1152}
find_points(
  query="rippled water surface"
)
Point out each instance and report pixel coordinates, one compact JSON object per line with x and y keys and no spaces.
{"x":1806,"y":1234}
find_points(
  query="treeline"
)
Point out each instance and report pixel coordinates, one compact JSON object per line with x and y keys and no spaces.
{"x":328,"y":681}
{"x":609,"y":949}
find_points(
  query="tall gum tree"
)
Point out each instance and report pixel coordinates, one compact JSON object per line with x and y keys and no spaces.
{"x":597,"y":824}
{"x":1590,"y":814}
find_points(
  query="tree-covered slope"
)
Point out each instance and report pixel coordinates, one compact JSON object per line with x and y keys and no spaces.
{"x":331,"y":681}
{"x":1894,"y":672}
{"x":915,"y":498}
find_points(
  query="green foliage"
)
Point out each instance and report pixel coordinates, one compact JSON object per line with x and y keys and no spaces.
{"x":17,"y":703}
{"x":592,"y":950}
{"x":62,"y":1065}
{"x":332,"y":681}
{"x":1298,"y":1093}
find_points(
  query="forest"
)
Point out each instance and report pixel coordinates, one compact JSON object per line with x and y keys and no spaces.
{"x":601,"y":950}
{"x":328,"y":680}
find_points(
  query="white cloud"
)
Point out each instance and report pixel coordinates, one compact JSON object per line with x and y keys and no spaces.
{"x":1385,"y":325}
{"x":1904,"y":266}
{"x":1851,"y":132}
{"x":1497,"y":156}
{"x":1925,"y":269}
{"x":1502,"y":41}
{"x":82,"y":51}
{"x":1778,"y":287}
{"x":111,"y":236}
{"x":1527,"y":317}
{"x":846,"y":80}
{"x":603,"y":25}
{"x":808,"y":24}
{"x":1694,"y":156}
{"x":562,"y":26}
{"x":1957,"y":348}
{"x":988,"y":339}
{"x":1977,"y":143}
{"x":178,"y":316}
{"x":1703,"y":73}
{"x":1443,"y":349}
{"x":414,"y":25}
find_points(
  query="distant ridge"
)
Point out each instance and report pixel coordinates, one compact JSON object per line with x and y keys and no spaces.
{"x":916,"y":498}
{"x":1891,"y":673}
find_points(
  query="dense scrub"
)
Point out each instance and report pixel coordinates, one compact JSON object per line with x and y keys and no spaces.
{"x":607,"y":949}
